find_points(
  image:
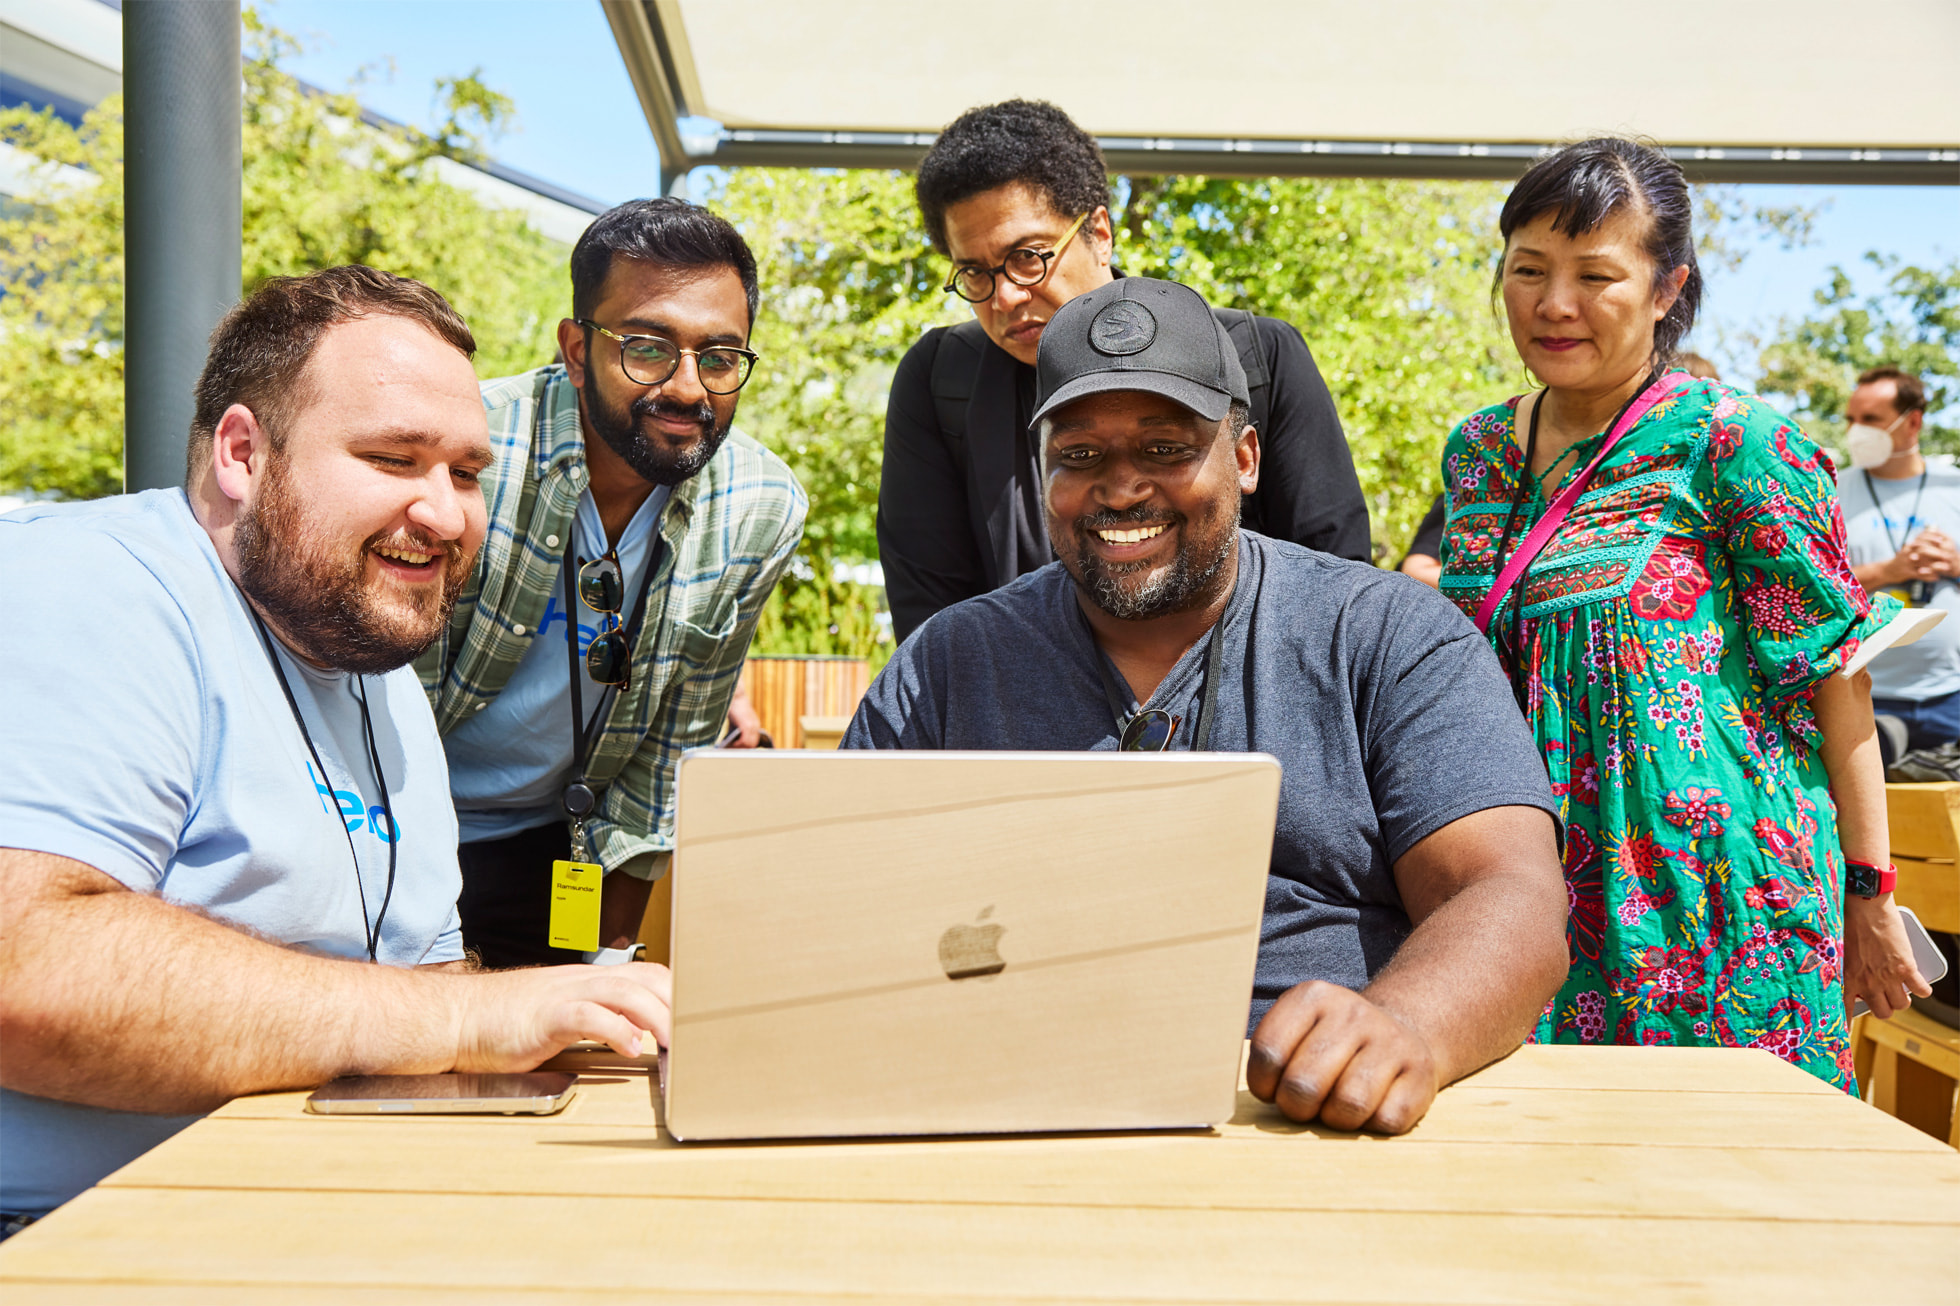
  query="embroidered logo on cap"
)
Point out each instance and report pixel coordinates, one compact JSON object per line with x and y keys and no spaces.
{"x":1124,"y":327}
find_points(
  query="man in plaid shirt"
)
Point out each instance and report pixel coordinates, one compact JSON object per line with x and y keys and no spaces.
{"x":634,"y":535}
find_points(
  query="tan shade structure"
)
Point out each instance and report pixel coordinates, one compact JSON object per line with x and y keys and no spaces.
{"x":1738,"y":90}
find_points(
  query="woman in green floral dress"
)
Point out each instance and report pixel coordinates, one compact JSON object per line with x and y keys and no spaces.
{"x":1677,"y":645}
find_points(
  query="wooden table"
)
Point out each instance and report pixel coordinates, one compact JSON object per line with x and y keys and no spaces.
{"x":1559,"y":1175}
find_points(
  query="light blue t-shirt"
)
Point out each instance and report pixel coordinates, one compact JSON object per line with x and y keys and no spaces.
{"x":509,"y":763}
{"x":150,"y":740}
{"x":1876,"y":529}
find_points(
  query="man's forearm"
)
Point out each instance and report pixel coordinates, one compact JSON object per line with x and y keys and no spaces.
{"x":118,"y":999}
{"x":1875,"y":576}
{"x":1477,"y":972}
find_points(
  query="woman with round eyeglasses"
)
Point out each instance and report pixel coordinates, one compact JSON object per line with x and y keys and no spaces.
{"x":1659,"y":563}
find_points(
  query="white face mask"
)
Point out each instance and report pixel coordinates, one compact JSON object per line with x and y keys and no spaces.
{"x":1871,"y":446}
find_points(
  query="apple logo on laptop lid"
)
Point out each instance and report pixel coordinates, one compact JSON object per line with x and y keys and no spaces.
{"x":970,"y":951}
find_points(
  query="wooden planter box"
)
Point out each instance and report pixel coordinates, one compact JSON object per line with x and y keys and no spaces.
{"x":785,"y":690}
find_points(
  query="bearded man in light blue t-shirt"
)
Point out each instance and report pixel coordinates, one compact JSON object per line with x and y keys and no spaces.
{"x":222,"y":795}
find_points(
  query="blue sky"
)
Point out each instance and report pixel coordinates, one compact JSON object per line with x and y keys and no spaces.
{"x":579,"y":125}
{"x":1917,"y":224}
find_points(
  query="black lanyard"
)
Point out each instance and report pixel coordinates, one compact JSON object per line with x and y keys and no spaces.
{"x":1207,"y":700}
{"x":1516,"y":597}
{"x":373,"y":932}
{"x":1884,"y":519}
{"x":579,"y":799}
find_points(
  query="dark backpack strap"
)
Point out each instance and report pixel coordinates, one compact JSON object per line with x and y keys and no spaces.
{"x":972,"y":381}
{"x":1244,"y":335}
{"x":1239,"y":326}
{"x":955,"y":369}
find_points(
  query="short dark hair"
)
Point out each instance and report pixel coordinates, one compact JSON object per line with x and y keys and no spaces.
{"x":1586,"y":183}
{"x":1908,"y":394}
{"x":667,"y":231}
{"x":260,"y":350}
{"x":1026,"y":141}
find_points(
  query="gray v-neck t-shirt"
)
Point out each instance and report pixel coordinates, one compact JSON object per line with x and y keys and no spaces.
{"x":1386,"y":709}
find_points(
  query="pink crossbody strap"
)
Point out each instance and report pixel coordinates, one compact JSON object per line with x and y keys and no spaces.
{"x":1547,"y":526}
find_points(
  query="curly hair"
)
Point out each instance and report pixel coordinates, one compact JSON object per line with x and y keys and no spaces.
{"x":1026,"y":141}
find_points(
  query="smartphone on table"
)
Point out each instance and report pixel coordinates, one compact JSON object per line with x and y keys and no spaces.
{"x":538,"y":1093}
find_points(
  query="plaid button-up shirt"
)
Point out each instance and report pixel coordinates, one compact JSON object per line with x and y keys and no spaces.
{"x":728,"y":532}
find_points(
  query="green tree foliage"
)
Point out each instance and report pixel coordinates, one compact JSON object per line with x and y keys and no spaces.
{"x":321,"y":187}
{"x":848,"y":284}
{"x":1913,"y":323}
{"x":1390,"y":283}
{"x":61,"y":308}
{"x":321,"y":191}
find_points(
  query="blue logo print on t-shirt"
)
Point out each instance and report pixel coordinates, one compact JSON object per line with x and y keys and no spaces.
{"x":553,"y":613}
{"x":352,"y":809}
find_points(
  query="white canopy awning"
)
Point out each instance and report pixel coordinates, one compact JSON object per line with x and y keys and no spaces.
{"x":1738,"y":90}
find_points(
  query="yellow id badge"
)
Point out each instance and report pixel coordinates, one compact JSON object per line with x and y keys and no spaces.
{"x":575,"y":892}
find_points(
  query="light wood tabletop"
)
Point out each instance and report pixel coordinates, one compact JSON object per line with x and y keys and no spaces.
{"x":1561,"y":1174}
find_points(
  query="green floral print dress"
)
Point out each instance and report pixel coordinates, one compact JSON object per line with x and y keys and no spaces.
{"x":1670,"y":637}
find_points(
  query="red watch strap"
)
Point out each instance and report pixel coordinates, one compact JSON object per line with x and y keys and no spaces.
{"x":1888,"y":875}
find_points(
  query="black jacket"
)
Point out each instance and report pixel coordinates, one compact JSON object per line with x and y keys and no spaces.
{"x":959,"y":496}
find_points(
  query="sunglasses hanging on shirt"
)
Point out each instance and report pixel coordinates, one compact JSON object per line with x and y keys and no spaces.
{"x":601,"y":583}
{"x":602,"y":587}
{"x":1149,"y":731}
{"x":1152,"y":729}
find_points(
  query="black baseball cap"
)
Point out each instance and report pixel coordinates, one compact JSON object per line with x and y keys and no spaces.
{"x":1138,"y":333}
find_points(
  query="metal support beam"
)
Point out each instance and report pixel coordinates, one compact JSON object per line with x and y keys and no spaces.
{"x":1440,"y":160}
{"x":643,"y":48}
{"x":183,"y":217}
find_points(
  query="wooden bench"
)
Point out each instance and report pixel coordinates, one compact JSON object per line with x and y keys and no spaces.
{"x":1909,"y":1066}
{"x":823,"y":731}
{"x":1924,"y":821}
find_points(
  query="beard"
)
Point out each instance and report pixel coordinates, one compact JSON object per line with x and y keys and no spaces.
{"x":316,"y":590}
{"x":649,"y":456}
{"x":1130,"y":591}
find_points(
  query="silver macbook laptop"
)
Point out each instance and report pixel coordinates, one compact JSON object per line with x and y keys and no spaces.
{"x":873,"y":943}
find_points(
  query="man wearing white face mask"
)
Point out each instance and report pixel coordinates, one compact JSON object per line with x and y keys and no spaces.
{"x":1901,"y":517}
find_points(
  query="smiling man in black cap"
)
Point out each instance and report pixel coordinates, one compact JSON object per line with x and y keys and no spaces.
{"x":1415,"y":910}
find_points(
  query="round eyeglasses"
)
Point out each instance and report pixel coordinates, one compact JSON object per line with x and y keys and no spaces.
{"x":652,"y":360}
{"x":1023,"y":267}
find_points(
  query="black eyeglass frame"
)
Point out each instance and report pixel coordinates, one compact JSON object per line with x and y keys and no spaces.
{"x":608,"y":659}
{"x":624,"y":340}
{"x":994,"y":274}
